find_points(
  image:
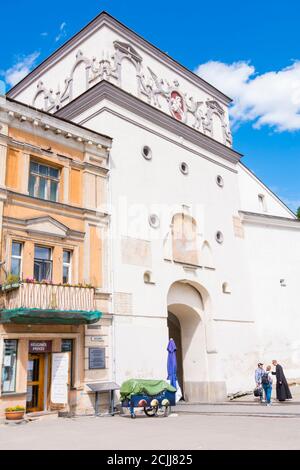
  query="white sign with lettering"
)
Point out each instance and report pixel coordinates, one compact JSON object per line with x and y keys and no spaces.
{"x":59,"y":378}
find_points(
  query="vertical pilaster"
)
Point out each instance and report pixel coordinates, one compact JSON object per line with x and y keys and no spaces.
{"x":24,"y":173}
{"x":3,"y":158}
{"x":86,"y":254}
{"x":66,"y":182}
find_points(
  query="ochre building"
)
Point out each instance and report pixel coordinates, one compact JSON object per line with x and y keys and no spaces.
{"x":53,"y":229}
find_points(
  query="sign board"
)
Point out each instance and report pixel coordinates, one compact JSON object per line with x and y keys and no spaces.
{"x":59,"y":378}
{"x":40,"y":346}
{"x":97,"y":338}
{"x":96,"y":358}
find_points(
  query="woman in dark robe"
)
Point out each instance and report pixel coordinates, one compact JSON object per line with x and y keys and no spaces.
{"x":282,"y":388}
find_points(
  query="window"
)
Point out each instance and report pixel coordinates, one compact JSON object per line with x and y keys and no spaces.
{"x":147,"y":152}
{"x":184,"y":168}
{"x":219,"y":237}
{"x":42,"y":263}
{"x":220,"y":181}
{"x":67,"y":265}
{"x":154,"y":220}
{"x":262,"y":202}
{"x":9,"y":366}
{"x":67,"y":346}
{"x":43,"y":181}
{"x":16,"y":258}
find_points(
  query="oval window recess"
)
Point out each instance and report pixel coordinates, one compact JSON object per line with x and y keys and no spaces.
{"x":219,"y":237}
{"x":184,"y":168}
{"x":154,"y":220}
{"x":147,"y":152}
{"x":220,"y":181}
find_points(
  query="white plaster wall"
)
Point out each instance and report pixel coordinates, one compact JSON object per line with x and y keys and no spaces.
{"x":250,"y":187}
{"x":274,"y":254}
{"x":144,"y":187}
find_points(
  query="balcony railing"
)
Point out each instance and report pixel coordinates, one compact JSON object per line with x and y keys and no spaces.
{"x":48,"y":297}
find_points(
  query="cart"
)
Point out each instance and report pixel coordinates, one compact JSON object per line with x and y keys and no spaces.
{"x":155,"y":397}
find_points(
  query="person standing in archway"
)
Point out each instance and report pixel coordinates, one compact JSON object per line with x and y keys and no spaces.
{"x":282,"y":389}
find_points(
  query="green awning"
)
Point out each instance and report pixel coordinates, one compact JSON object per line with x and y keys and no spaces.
{"x":35,"y":316}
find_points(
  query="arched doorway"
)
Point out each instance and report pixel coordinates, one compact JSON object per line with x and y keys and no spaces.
{"x":186,"y":322}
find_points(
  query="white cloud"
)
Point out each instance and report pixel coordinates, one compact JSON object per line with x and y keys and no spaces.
{"x":62,"y":32}
{"x":22,"y":68}
{"x":271,"y":98}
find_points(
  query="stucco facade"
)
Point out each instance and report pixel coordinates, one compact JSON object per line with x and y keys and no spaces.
{"x":53,"y":255}
{"x":198,"y":248}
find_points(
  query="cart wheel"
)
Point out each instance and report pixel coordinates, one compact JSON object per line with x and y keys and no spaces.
{"x":167,"y":411}
{"x":151,"y":411}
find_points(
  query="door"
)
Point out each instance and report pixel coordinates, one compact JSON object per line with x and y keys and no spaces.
{"x":35,"y":382}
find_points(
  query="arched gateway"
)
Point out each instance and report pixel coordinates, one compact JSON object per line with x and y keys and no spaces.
{"x":190,"y":325}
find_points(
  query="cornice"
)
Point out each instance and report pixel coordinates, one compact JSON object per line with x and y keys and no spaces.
{"x":21,"y":116}
{"x":104,"y":19}
{"x":86,"y":213}
{"x":105,"y":90}
{"x":271,"y":220}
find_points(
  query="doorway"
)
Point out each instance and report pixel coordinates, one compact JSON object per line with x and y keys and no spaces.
{"x":186,"y":327}
{"x":35,"y":382}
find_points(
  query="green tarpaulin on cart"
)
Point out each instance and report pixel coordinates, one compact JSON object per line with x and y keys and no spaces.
{"x":142,"y":386}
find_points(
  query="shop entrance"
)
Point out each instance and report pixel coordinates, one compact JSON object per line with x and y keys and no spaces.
{"x":35,"y":382}
{"x":38,"y":375}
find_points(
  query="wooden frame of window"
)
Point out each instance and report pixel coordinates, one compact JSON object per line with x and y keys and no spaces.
{"x":9,"y":366}
{"x":41,"y":183}
{"x":68,"y":266}
{"x":43,"y":263}
{"x":18,"y":257}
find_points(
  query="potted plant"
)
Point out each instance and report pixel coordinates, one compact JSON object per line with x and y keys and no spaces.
{"x":14,"y":412}
{"x":12,"y":282}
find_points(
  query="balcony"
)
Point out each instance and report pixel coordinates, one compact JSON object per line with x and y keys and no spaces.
{"x":43,"y":303}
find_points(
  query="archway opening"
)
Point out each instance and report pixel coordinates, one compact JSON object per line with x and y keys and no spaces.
{"x":186,"y":327}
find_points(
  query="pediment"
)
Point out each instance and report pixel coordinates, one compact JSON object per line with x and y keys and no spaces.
{"x":47,"y":225}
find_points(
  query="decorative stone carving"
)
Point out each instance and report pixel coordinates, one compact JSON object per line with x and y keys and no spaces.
{"x":213,"y":107}
{"x":109,"y":68}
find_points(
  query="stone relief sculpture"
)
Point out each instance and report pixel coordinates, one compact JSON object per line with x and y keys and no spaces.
{"x":149,"y":85}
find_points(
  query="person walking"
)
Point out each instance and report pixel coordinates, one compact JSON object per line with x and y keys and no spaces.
{"x":282,"y":389}
{"x":258,"y":375}
{"x":267,"y":382}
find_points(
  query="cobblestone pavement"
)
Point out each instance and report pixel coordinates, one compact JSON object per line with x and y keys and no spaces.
{"x":178,"y":431}
{"x":239,"y":424}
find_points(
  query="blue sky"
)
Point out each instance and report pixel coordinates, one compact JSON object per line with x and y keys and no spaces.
{"x":248,"y":49}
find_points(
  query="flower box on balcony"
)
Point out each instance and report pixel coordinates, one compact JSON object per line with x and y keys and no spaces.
{"x":8,"y":287}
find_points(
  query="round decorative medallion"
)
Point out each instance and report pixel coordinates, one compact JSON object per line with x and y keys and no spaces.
{"x":177,"y":106}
